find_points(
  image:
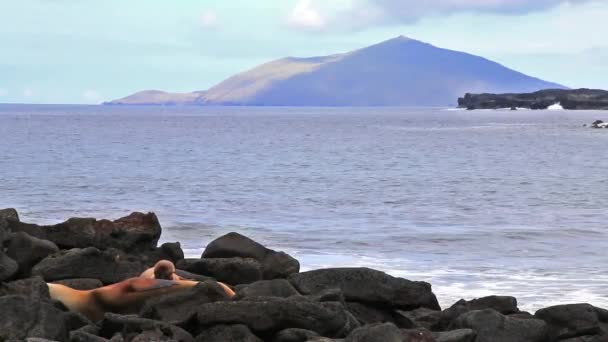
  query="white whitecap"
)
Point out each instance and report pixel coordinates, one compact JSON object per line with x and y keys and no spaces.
{"x":557,"y":106}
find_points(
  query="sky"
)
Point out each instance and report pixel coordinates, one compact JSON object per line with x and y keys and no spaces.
{"x":89,"y":51}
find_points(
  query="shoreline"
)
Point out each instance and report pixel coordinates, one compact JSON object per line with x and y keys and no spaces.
{"x":334,"y":304}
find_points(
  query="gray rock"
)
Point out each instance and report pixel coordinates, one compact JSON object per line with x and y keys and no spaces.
{"x":179,"y":307}
{"x":9,"y":214}
{"x":421,"y":317}
{"x":275,"y":264}
{"x":417,"y":335}
{"x":275,"y":288}
{"x":81,"y":283}
{"x":492,"y":326}
{"x":368,"y":286}
{"x":233,"y":271}
{"x":132,"y":326}
{"x":134,"y":233}
{"x":82,"y":336}
{"x":90,"y":262}
{"x":22,"y":317}
{"x":227,"y":333}
{"x":503,"y":304}
{"x":268,"y":317}
{"x":34,"y":288}
{"x":27,"y":251}
{"x":8,"y":267}
{"x":369,"y":315}
{"x":460,"y":335}
{"x":572,"y":320}
{"x":294,"y":335}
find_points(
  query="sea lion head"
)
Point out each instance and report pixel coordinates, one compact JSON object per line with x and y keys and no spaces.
{"x":164,"y":269}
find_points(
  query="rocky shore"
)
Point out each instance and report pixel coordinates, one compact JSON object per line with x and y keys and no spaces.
{"x":586,"y":99}
{"x":274,"y":301}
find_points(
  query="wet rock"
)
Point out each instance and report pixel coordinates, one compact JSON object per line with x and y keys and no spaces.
{"x":460,"y":335}
{"x":81,"y":283}
{"x":179,"y":307}
{"x":492,"y":326}
{"x":294,"y":335}
{"x":368,"y":286}
{"x":132,"y":326}
{"x":233,"y":271}
{"x":133,"y":233}
{"x":571,"y":320}
{"x":268,"y":317}
{"x":4,"y":231}
{"x":275,"y":288}
{"x":23,"y":317}
{"x":87,"y":263}
{"x":227,"y":333}
{"x":27,"y":251}
{"x":422,"y":317}
{"x":34,"y":288}
{"x":275,"y":264}
{"x":587,"y":338}
{"x":8,"y":267}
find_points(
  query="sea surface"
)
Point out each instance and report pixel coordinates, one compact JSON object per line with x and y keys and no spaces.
{"x":476,"y":203}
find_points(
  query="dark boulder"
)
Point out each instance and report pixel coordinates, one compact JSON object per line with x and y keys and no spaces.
{"x":82,"y":336}
{"x":132,"y":326}
{"x":571,"y":320}
{"x":134,"y":233}
{"x":34,"y":288}
{"x":22,"y":317}
{"x":460,"y":335}
{"x":90,"y":262}
{"x":233,"y":271}
{"x":269,"y":317}
{"x":179,"y":307}
{"x":294,"y":335}
{"x":503,"y":304}
{"x":275,"y":264}
{"x":275,"y":288}
{"x":27,"y":251}
{"x":227,"y":333}
{"x":421,"y":317}
{"x":4,"y":231}
{"x":9,"y":214}
{"x":417,"y":335}
{"x":368,"y":286}
{"x":381,"y":332}
{"x":81,"y":283}
{"x":8,"y":267}
{"x":369,"y":315}
{"x":492,"y":326}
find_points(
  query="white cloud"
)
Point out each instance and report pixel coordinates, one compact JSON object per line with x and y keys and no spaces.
{"x":209,"y":19}
{"x":305,"y":15}
{"x":3,"y":92}
{"x":363,"y":14}
{"x":91,"y":96}
{"x":28,"y":92}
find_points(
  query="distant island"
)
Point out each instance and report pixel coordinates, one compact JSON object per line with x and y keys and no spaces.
{"x":397,"y":72}
{"x":566,"y":98}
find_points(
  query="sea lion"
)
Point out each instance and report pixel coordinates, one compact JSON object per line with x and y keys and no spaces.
{"x":126,"y":297}
{"x":165,"y":269}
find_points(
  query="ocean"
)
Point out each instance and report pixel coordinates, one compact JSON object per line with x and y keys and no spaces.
{"x":474,"y":202}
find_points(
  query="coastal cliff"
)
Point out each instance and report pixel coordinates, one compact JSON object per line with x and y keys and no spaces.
{"x":543,"y":99}
{"x":274,"y":301}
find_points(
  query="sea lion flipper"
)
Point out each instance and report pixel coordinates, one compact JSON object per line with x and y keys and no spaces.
{"x":145,"y":284}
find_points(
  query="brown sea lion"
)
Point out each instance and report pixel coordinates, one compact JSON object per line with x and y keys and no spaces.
{"x":126,"y":297}
{"x":165,"y":269}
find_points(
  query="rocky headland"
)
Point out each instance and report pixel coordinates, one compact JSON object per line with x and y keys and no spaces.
{"x":274,"y":301}
{"x":581,"y":99}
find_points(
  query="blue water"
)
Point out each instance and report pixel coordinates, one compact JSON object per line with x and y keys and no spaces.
{"x":477,"y":203}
